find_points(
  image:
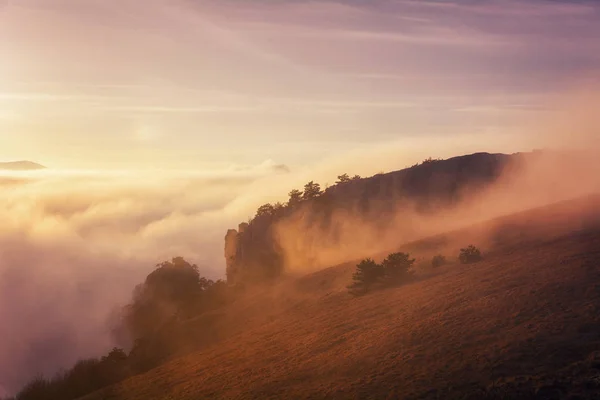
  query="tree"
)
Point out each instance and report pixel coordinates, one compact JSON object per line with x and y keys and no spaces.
{"x":430,"y":160}
{"x":469,"y":255}
{"x":113,"y":367}
{"x":277,"y":207}
{"x":368,"y":272}
{"x":396,"y":267}
{"x":265,"y":209}
{"x":311,"y":190}
{"x":344,"y":178}
{"x":438,"y":261}
{"x":295,"y":197}
{"x":116,"y":355}
{"x":356,"y":177}
{"x":171,"y":289}
{"x":175,"y":281}
{"x":204,"y":284}
{"x":426,"y":161}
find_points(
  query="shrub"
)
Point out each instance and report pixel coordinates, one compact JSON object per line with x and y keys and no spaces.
{"x":438,"y":261}
{"x":396,"y":267}
{"x":469,"y":255}
{"x":368,"y":272}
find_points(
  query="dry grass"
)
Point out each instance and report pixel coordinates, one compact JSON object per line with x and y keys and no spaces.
{"x":525,"y":319}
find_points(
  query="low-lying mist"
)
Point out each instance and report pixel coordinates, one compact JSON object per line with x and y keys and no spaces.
{"x":73,"y":245}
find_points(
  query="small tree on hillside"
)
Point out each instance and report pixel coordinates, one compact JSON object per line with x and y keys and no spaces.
{"x":426,"y":161}
{"x":396,"y":267}
{"x":430,"y":160}
{"x":368,"y":272}
{"x":311,"y":190}
{"x":265,"y":209}
{"x":438,"y":261}
{"x":344,"y":178}
{"x":277,"y":207}
{"x":116,"y":355}
{"x":173,"y":287}
{"x":356,"y":177}
{"x":469,"y":255}
{"x":295,"y":197}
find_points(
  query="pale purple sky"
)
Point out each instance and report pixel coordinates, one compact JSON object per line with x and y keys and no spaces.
{"x":202,"y":84}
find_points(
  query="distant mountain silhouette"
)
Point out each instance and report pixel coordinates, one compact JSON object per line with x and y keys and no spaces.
{"x":20,"y":166}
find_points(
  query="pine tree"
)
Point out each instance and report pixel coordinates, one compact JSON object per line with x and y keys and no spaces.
{"x":295,"y":197}
{"x":311,"y":190}
{"x":343,"y":179}
{"x":367,"y":273}
{"x":396,"y":266}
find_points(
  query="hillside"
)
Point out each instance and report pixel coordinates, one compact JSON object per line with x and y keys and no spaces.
{"x":20,"y":166}
{"x":261,"y":248}
{"x":521,"y":324}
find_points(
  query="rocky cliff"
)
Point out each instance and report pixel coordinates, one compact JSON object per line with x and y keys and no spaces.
{"x":319,"y":224}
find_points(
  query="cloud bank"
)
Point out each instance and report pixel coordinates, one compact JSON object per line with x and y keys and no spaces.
{"x":73,"y":244}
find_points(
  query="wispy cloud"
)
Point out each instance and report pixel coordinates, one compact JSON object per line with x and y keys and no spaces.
{"x":430,"y":36}
{"x":178,"y":110}
{"x":204,"y":71}
{"x":501,"y":108}
{"x":287,"y":102}
{"x":539,"y":8}
{"x":49,"y":97}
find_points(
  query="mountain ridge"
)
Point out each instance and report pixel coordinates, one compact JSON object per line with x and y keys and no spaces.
{"x":255,"y":250}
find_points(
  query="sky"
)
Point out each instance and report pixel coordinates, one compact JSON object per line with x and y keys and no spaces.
{"x":193,"y":84}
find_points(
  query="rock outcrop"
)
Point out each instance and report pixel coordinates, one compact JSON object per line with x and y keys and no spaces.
{"x":231,"y":242}
{"x":233,"y":252}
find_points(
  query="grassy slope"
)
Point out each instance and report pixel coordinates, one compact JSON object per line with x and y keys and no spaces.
{"x":526,"y":317}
